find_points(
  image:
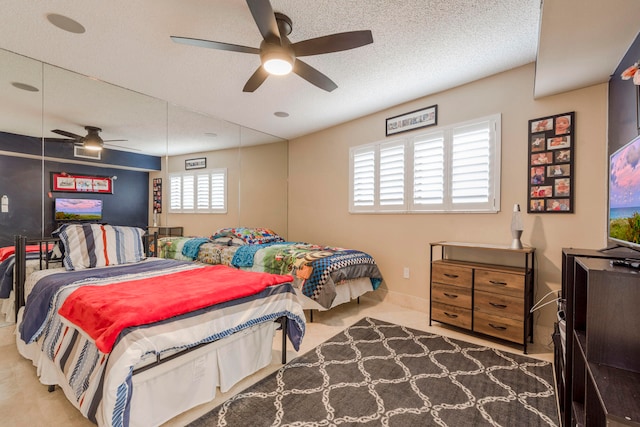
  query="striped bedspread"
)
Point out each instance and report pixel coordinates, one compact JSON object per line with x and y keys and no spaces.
{"x":102,"y":383}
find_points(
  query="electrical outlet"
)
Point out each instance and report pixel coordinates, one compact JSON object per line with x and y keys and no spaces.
{"x":405,"y":273}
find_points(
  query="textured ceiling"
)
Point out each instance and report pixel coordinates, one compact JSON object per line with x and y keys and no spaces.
{"x":420,"y":47}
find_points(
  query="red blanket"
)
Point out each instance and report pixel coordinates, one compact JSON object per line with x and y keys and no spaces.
{"x":102,"y":312}
{"x":7,"y":251}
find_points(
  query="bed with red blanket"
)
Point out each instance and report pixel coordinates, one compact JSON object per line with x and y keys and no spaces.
{"x":137,"y":341}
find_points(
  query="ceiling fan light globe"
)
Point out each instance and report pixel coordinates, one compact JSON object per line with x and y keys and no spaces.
{"x":92,"y":145}
{"x":277,"y":66}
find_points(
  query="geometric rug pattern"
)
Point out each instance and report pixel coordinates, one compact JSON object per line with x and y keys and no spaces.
{"x":377,"y":373}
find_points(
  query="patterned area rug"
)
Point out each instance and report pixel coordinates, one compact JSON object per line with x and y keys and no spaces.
{"x":377,"y":373}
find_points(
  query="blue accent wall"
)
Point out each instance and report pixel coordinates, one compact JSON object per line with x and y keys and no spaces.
{"x":31,"y":202}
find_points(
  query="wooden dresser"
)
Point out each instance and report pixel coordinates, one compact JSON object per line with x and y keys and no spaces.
{"x":487,"y":298}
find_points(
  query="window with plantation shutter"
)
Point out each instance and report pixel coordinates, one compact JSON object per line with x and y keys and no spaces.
{"x":198,"y":192}
{"x":453,"y":169}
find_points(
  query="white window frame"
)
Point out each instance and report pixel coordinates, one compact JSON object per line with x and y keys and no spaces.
{"x":490,"y":179}
{"x":201,"y":201}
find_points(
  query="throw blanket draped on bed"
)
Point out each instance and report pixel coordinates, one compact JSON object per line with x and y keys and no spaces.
{"x":103,"y":312}
{"x":243,"y":256}
{"x":318,"y":269}
{"x":192,"y":247}
{"x":38,"y":304}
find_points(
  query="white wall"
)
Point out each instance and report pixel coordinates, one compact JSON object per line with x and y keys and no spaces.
{"x":319,"y":194}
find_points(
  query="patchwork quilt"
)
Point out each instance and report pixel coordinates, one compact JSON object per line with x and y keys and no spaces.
{"x":316,"y":270}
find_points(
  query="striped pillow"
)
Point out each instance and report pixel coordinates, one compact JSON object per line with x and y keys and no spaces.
{"x":95,"y":245}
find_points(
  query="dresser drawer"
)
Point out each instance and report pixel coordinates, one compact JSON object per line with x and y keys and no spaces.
{"x":499,"y":305}
{"x":452,"y":295}
{"x":452,"y":274}
{"x":499,"y":327}
{"x":500,"y":282}
{"x":451,"y":315}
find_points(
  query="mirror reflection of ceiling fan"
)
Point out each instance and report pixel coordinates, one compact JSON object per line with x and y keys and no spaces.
{"x":91,"y":141}
{"x":278,"y":55}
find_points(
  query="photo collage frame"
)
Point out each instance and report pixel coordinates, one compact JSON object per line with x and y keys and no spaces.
{"x":551,"y":164}
{"x":157,"y":195}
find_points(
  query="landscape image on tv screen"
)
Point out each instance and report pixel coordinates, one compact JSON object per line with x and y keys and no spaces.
{"x":624,"y":194}
{"x":78,"y":210}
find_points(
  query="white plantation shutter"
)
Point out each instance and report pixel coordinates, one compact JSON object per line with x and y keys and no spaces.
{"x":475,"y":166}
{"x":470,"y":163}
{"x":363,"y":177}
{"x":392,"y":171}
{"x":428,"y":170}
{"x":454,"y":169}
{"x":175,"y":192}
{"x":218,"y":191}
{"x":188,"y":192}
{"x":201,"y":192}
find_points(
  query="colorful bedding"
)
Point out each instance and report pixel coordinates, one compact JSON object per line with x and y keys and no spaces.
{"x":102,"y":381}
{"x":7,"y":263}
{"x":316,"y":270}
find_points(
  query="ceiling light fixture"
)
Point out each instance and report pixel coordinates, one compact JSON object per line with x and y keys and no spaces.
{"x":281,"y":114}
{"x":92,"y":141}
{"x":92,"y":144}
{"x":277,"y":60}
{"x":65,"y":23}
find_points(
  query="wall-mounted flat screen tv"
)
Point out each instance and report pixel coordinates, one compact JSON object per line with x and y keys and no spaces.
{"x":78,"y":209}
{"x":624,"y":195}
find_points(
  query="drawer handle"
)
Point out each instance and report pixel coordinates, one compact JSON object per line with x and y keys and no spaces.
{"x":451,"y":276}
{"x":449,"y":315}
{"x":498,"y":283}
{"x":496,"y":305}
{"x":452,"y":296}
{"x":498,"y":327}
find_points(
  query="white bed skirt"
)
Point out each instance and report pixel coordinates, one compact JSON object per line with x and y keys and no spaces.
{"x":178,"y":385}
{"x":345,"y":292}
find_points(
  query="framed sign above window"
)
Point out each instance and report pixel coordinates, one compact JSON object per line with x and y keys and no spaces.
{"x":414,"y":120}
{"x":551,"y":164}
{"x":64,"y":182}
{"x":200,"y":163}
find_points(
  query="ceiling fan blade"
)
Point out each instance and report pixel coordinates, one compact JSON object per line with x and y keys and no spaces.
{"x":122,"y":147}
{"x":256,"y":80}
{"x":215,"y":45}
{"x":63,"y":140}
{"x":67,"y":134}
{"x":265,"y":19}
{"x":332,"y":43}
{"x":114,"y":140}
{"x":313,"y":76}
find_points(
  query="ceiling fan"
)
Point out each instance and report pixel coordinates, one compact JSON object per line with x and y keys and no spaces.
{"x":92,"y":141}
{"x":278,"y":55}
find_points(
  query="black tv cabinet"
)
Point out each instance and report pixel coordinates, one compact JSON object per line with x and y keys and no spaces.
{"x":590,"y":378}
